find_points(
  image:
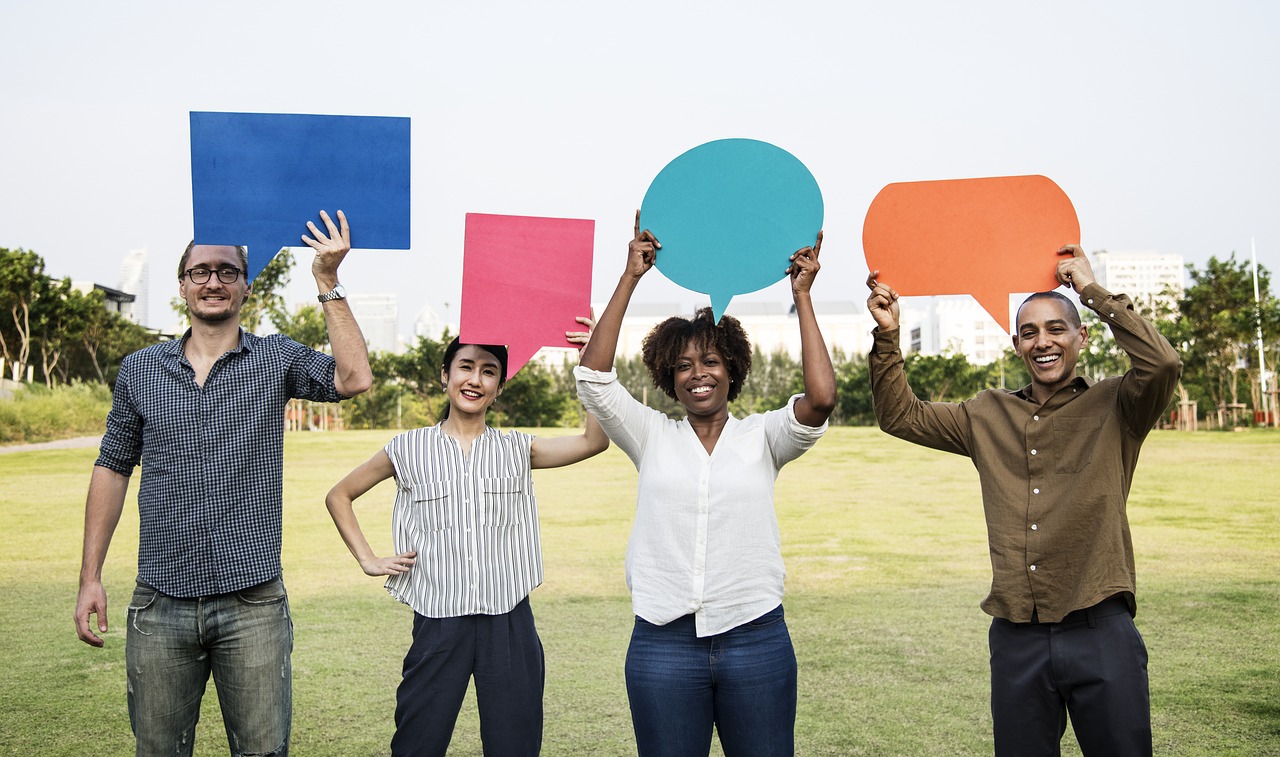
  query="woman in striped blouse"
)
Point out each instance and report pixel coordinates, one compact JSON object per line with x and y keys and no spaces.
{"x":465,"y":526}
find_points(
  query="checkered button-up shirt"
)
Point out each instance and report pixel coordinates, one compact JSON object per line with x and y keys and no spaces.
{"x":210,"y":498}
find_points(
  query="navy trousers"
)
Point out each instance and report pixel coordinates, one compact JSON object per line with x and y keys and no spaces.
{"x":502,"y":652}
{"x":1092,"y":665}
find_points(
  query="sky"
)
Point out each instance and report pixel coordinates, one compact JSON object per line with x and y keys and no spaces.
{"x":1158,"y":119}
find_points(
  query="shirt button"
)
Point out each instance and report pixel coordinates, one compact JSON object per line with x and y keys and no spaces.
{"x":1033,"y":452}
{"x":1035,"y":417}
{"x":1035,"y":491}
{"x":1090,"y":300}
{"x":1033,"y":567}
{"x":1034,"y":527}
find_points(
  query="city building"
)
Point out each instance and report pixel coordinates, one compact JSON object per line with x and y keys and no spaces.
{"x":135,"y":279}
{"x":1149,"y":278}
{"x":378,"y":316}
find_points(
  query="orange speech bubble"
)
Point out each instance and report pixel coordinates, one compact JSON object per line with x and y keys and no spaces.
{"x":985,"y":237}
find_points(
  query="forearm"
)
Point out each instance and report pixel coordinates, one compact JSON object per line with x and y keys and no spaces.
{"x":819,"y":374}
{"x":599,"y":352}
{"x":343,"y":513}
{"x":351,"y":374}
{"x":103,"y":507}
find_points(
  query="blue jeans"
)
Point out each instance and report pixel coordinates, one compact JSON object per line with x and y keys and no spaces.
{"x":742,"y":682}
{"x":243,"y":638}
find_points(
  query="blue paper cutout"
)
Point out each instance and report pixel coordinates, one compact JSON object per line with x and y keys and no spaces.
{"x":729,"y":214}
{"x":257,"y":178}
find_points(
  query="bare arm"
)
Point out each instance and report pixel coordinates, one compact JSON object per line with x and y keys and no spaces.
{"x":339,"y":502}
{"x":819,"y":398}
{"x":566,"y":450}
{"x":641,"y":254}
{"x":102,"y":510}
{"x":351,"y":375}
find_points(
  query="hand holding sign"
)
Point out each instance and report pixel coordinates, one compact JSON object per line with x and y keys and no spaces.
{"x":986,"y":237}
{"x":526,"y":282}
{"x":730,"y":213}
{"x":256,"y":177}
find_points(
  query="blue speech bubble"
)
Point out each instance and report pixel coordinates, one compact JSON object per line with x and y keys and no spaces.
{"x":257,"y":178}
{"x":729,"y":214}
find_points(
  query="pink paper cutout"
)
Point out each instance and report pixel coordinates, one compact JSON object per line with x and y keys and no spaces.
{"x":524,"y":281}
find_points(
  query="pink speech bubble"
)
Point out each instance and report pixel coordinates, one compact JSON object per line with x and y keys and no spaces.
{"x":524,"y":281}
{"x":986,"y":237}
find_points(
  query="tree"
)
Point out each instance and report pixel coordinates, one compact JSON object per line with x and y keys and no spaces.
{"x":1217,"y":325}
{"x":22,"y":279}
{"x":59,"y":316}
{"x":305,"y":326}
{"x":266,"y":300}
{"x":530,"y":398}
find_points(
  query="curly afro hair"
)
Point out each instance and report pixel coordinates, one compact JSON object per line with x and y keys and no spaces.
{"x":664,"y":343}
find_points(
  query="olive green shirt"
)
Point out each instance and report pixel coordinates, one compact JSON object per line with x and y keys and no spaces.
{"x":1055,"y":477}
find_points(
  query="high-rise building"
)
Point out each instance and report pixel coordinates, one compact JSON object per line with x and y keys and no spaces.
{"x":135,"y":279}
{"x":378,"y":316}
{"x":1149,"y":278}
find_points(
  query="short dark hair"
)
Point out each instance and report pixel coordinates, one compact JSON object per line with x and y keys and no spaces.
{"x":662,"y":347}
{"x":241,"y":250}
{"x":1073,"y":315}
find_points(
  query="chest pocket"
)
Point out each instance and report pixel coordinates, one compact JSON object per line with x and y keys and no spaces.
{"x":1075,"y":437}
{"x":432,"y":506}
{"x":503,"y":500}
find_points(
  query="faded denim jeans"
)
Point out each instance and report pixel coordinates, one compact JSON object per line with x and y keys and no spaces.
{"x":243,"y":638}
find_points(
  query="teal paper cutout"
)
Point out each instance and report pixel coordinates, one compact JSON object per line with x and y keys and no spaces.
{"x":729,"y":214}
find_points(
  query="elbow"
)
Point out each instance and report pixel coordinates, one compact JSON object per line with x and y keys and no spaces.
{"x":350,"y":386}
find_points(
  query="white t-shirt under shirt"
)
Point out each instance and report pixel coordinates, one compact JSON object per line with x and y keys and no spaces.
{"x":705,"y":540}
{"x":473,"y":521}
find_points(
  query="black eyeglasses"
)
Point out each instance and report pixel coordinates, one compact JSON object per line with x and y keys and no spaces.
{"x":201,"y":275}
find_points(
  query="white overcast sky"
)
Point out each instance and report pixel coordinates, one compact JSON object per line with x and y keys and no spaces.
{"x":1160,"y":120}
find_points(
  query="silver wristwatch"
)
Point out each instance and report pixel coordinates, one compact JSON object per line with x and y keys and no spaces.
{"x":339,"y":292}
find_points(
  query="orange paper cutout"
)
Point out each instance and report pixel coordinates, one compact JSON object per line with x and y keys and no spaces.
{"x":987,"y":237}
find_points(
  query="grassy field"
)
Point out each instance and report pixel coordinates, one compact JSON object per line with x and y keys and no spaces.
{"x":886,"y":558}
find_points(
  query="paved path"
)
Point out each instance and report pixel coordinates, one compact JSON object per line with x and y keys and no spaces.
{"x":79,"y":441}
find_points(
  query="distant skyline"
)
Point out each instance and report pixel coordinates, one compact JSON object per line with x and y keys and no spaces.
{"x":1157,"y":119}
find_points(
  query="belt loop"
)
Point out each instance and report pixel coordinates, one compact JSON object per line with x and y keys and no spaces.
{"x":1088,"y":614}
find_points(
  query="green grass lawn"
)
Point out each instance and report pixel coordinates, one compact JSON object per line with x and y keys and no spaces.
{"x":886,"y":559}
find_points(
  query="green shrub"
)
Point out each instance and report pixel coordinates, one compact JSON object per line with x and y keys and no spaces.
{"x":39,"y":414}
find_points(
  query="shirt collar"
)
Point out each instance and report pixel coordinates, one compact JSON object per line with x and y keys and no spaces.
{"x":1079,"y":382}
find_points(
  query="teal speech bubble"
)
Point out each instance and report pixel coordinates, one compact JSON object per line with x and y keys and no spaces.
{"x":729,"y":214}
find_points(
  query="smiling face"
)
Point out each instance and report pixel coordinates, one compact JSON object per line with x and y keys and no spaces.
{"x":214,"y":301}
{"x":701,"y":380}
{"x":1049,"y":341}
{"x":473,"y":380}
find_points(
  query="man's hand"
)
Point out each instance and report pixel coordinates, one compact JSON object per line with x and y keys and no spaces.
{"x":92,"y":601}
{"x":883,"y":303}
{"x":1074,"y":272}
{"x":804,"y":267}
{"x":330,"y":248}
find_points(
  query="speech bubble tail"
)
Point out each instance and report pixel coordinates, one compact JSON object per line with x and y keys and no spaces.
{"x":720,"y":303}
{"x":997,"y":308}
{"x":260,"y":259}
{"x":517,"y":356}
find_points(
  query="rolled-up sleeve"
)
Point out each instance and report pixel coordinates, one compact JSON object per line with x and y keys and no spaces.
{"x":625,"y":419}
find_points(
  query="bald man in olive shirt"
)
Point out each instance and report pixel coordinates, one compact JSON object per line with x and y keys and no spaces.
{"x":1055,"y":459}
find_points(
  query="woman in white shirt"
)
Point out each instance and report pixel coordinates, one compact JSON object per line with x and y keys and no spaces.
{"x":465,"y":527}
{"x":710,"y":647}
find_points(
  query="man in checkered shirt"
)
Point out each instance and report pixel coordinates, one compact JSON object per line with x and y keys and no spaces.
{"x":204,"y":415}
